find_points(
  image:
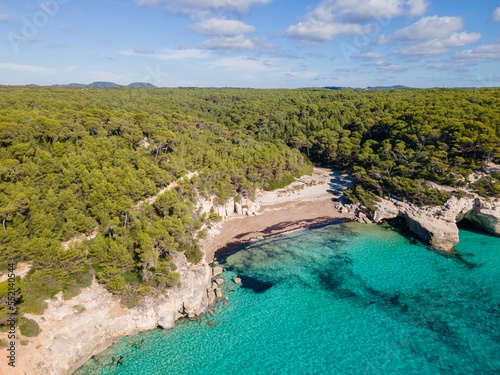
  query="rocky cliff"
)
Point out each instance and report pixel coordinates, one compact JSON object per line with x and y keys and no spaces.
{"x":75,"y":330}
{"x":435,"y":225}
{"x":233,"y":207}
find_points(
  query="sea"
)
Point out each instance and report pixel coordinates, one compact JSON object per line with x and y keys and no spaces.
{"x":346,"y":298}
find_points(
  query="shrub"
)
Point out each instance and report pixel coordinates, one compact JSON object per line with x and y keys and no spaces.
{"x":28,"y":327}
{"x":194,"y":254}
{"x":79,"y":308}
{"x":130,"y":298}
{"x":131,"y":276}
{"x":83,"y":278}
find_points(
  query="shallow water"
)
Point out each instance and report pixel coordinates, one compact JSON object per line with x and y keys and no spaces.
{"x":343,"y":299}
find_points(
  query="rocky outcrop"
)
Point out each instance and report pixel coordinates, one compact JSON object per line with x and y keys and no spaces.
{"x":216,"y":271}
{"x":232,"y":207}
{"x":435,"y":225}
{"x":72,"y":331}
{"x":75,"y":330}
{"x":486,"y":215}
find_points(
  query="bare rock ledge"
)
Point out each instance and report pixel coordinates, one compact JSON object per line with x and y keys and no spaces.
{"x":436,"y":225}
{"x":75,"y":330}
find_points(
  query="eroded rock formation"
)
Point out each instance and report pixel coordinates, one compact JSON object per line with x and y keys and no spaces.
{"x":75,"y":330}
{"x":436,"y":225}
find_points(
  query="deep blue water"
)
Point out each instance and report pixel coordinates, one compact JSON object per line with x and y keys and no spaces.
{"x":342,"y":299}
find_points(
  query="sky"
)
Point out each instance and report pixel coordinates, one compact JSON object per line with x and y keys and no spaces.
{"x":251,"y":43}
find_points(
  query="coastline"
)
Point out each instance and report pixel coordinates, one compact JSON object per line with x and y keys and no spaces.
{"x":311,"y":203}
{"x":75,"y":330}
{"x":231,"y":247}
{"x":240,"y":231}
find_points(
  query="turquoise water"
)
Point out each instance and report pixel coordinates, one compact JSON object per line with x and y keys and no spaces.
{"x":342,"y":299}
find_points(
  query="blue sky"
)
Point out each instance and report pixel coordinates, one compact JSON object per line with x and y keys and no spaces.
{"x":251,"y":43}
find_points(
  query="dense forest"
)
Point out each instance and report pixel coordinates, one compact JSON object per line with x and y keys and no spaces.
{"x":80,"y":160}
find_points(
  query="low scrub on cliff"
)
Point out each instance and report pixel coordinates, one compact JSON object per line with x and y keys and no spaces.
{"x":28,"y":327}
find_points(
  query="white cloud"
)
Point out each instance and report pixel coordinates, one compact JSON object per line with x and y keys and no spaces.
{"x":385,"y":66}
{"x":313,"y":32}
{"x":243,"y":63}
{"x":439,"y":46}
{"x":451,"y":67}
{"x":431,"y":27}
{"x":99,"y":75}
{"x":487,"y":52}
{"x":228,"y":43}
{"x":171,"y":54}
{"x":495,"y":17}
{"x":143,"y":51}
{"x":27,"y":68}
{"x":23,"y":39}
{"x":364,"y":10}
{"x":370,"y":55}
{"x":66,"y":28}
{"x":239,"y":6}
{"x":4,"y":18}
{"x":333,"y":17}
{"x":220,"y":26}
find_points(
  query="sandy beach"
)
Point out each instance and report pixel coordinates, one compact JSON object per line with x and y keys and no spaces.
{"x":309,"y":201}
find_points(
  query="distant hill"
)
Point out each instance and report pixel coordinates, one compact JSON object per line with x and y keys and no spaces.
{"x":388,"y":87}
{"x":142,"y":84}
{"x":104,"y":84}
{"x":334,"y":87}
{"x":108,"y":84}
{"x":368,"y":88}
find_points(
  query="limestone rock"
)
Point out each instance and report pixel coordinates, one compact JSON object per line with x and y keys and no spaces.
{"x":236,"y":280}
{"x":437,"y":225}
{"x":486,"y":215}
{"x":211,"y":297}
{"x":438,"y":233}
{"x":72,"y":336}
{"x":216,"y":271}
{"x":238,"y":208}
{"x":218,"y":292}
{"x":386,"y":209}
{"x":219,"y":282}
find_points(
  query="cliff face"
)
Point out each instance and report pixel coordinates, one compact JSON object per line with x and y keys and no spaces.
{"x":437,"y":225}
{"x":75,"y":330}
{"x":243,"y":207}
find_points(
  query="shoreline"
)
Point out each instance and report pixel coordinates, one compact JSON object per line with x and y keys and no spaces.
{"x":95,"y":318}
{"x":309,"y":201}
{"x":232,"y":247}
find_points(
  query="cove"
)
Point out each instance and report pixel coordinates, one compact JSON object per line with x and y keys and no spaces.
{"x":342,"y":299}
